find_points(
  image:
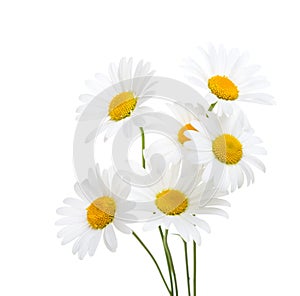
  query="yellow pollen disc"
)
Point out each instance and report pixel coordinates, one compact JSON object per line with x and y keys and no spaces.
{"x":181,"y":137}
{"x":223,"y":88}
{"x":171,"y":202}
{"x":101,"y":212}
{"x":122,"y":105}
{"x":227,"y":149}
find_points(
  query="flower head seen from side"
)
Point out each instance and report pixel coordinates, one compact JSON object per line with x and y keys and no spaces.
{"x":97,"y":215}
{"x":177,"y":199}
{"x":226,"y":150}
{"x":126,"y":89}
{"x":227,"y":79}
{"x":171,"y":145}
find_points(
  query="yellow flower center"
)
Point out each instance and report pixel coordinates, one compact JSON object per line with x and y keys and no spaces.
{"x":101,"y":212}
{"x":181,"y":137}
{"x":223,"y":88}
{"x":171,"y":202}
{"x":227,"y":149}
{"x":122,"y":105}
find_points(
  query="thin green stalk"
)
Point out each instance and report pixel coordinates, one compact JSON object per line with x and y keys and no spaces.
{"x":136,"y":236}
{"x":171,"y":261}
{"x":143,"y":147}
{"x":195,"y":267}
{"x":212,"y":106}
{"x":168,"y":260}
{"x":187,"y":267}
{"x":154,"y":260}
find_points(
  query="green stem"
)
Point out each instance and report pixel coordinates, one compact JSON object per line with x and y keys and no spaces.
{"x":171,"y":261}
{"x":195,"y":267}
{"x":211,"y":107}
{"x":143,"y":147}
{"x":168,"y":260}
{"x":187,"y":267}
{"x":136,"y":236}
{"x":154,"y":260}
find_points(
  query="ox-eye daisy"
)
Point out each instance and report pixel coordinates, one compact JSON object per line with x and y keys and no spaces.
{"x":171,"y":145}
{"x":227,"y":78}
{"x":126,"y":89}
{"x":177,"y":198}
{"x":226,"y":149}
{"x":102,"y":207}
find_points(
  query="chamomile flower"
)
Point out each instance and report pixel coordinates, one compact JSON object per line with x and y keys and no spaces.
{"x":226,"y":149}
{"x":177,"y":199}
{"x":227,"y":79}
{"x":102,"y":207}
{"x":126,"y":89}
{"x":171,"y":145}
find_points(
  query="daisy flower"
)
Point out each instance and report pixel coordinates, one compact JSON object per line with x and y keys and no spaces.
{"x":177,"y":198}
{"x":171,"y":145}
{"x":102,"y":207}
{"x":126,"y":89}
{"x":226,"y":149}
{"x":227,"y":78}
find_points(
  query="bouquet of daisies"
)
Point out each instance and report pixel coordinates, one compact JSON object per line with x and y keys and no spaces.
{"x":204,"y":149}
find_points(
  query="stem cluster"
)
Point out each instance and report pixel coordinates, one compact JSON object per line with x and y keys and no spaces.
{"x":172,"y":287}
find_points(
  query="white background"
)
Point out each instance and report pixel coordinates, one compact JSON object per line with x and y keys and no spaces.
{"x":48,"y":49}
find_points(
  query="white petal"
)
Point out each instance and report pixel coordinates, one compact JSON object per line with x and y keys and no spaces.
{"x":195,"y":235}
{"x":251,"y":140}
{"x":256,"y":84}
{"x":180,"y":226}
{"x":245,"y":73}
{"x":76,"y":246}
{"x":203,"y":157}
{"x":110,"y":239}
{"x":138,"y":69}
{"x":74,"y":234}
{"x":196,"y":81}
{"x":94,"y":242}
{"x":212,"y":211}
{"x":222,"y":60}
{"x":69,"y":211}
{"x":84,"y":244}
{"x":197,"y":125}
{"x":198,"y":222}
{"x":206,"y":58}
{"x":207,"y":173}
{"x":112,"y":128}
{"x":255,"y":150}
{"x":260,"y":98}
{"x":112,"y":71}
{"x":219,"y":173}
{"x":67,"y":229}
{"x":153,"y":224}
{"x":201,"y":143}
{"x":70,"y":220}
{"x":233,"y":177}
{"x":240,"y":62}
{"x":240,"y":176}
{"x":218,"y":202}
{"x":213,"y":59}
{"x":122,"y":227}
{"x":85,"y":98}
{"x":79,"y":191}
{"x":75,"y":203}
{"x":256,"y":162}
{"x":94,"y":85}
{"x":103,"y":79}
{"x":227,"y":107}
{"x":248,"y":172}
{"x":195,"y":68}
